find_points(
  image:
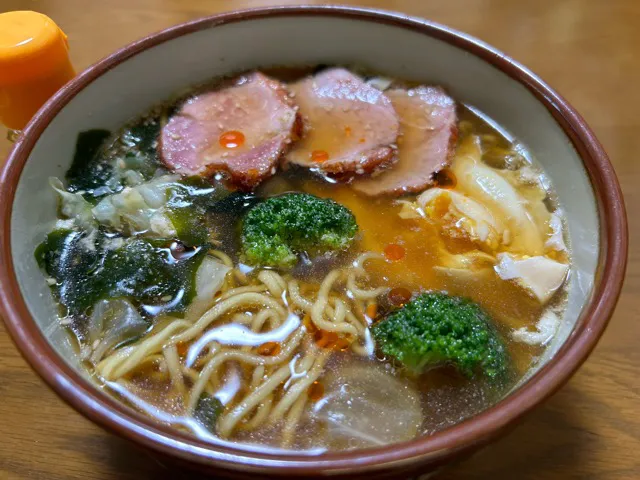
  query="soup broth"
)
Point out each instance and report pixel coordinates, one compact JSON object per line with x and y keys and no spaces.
{"x":181,"y":313}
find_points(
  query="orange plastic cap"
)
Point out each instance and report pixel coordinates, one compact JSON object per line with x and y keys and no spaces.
{"x":34,"y":63}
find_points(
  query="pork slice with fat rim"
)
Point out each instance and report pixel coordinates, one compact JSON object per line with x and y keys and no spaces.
{"x":428,"y":134}
{"x":350,"y":127}
{"x":255,"y":109}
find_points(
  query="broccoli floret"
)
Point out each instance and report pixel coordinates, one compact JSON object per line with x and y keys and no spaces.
{"x":436,"y":329}
{"x":274,"y":231}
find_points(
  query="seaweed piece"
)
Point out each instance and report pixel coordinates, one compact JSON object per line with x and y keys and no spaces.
{"x":191,"y":201}
{"x":141,"y":141}
{"x":145,"y":134}
{"x":89,"y":170}
{"x":97,"y":170}
{"x":88,"y":267}
{"x":236,"y":204}
{"x":207,"y":411}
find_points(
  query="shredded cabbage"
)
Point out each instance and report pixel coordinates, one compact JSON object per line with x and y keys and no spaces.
{"x":139,"y":209}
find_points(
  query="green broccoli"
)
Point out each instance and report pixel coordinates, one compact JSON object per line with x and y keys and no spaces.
{"x":436,"y":329}
{"x":274,"y":231}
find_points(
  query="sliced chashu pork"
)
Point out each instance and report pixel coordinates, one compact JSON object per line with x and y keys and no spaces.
{"x":427,"y":139}
{"x":198,"y":139}
{"x":350,"y":127}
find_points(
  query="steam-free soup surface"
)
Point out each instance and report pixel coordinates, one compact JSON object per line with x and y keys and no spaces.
{"x":308,"y":259}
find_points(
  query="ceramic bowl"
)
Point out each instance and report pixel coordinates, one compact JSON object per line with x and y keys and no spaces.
{"x":145,"y":72}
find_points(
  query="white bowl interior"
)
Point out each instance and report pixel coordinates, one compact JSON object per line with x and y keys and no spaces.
{"x":155,"y":74}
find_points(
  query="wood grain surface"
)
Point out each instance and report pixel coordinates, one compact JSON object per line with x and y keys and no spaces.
{"x":587,"y":50}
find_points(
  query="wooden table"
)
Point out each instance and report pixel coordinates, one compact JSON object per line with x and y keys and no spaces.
{"x":586,"y":49}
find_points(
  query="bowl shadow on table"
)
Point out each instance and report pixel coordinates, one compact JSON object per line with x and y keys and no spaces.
{"x":551,"y":439}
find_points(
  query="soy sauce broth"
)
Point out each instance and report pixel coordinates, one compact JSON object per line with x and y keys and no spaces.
{"x":445,"y":396}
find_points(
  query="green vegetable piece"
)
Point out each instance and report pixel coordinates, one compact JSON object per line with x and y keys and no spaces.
{"x":189,"y":224}
{"x":276,"y":230}
{"x":436,"y":329}
{"x":89,"y":267}
{"x":207,"y":411}
{"x":145,"y":134}
{"x":191,"y":200}
{"x":236,"y":204}
{"x":98,"y":171}
{"x":88,"y":170}
{"x":142,"y":153}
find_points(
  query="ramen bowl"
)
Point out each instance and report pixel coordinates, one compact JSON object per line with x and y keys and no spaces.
{"x":146,"y":72}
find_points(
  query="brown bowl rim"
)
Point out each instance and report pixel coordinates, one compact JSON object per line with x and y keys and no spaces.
{"x":437,"y":448}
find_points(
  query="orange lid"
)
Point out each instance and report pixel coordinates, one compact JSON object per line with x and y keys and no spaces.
{"x":31,"y":44}
{"x":34,"y":63}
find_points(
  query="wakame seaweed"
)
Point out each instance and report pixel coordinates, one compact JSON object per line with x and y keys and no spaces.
{"x":207,"y":411}
{"x":236,"y":204}
{"x":99,"y":169}
{"x":144,"y":135}
{"x":192,"y":200}
{"x":89,"y":169}
{"x":141,"y":141}
{"x":89,"y":267}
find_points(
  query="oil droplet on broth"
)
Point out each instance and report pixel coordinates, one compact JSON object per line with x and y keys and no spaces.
{"x":182,"y":348}
{"x":231,"y":139}
{"x":331,"y":340}
{"x":316,"y":391}
{"x":394,"y":252}
{"x":319,"y":156}
{"x":269,"y":349}
{"x":372,"y":311}
{"x":399,"y":296}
